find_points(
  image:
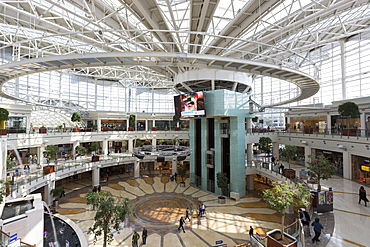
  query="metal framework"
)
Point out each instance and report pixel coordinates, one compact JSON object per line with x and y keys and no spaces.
{"x":277,"y":35}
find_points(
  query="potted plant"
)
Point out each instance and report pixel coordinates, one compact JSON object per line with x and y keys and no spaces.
{"x":76,"y":117}
{"x":60,"y":128}
{"x":222,"y":183}
{"x":154,"y":128}
{"x":320,"y":168}
{"x":132,"y":121}
{"x":176,"y":121}
{"x":265,"y":144}
{"x":279,"y":198}
{"x":289,"y":152}
{"x":287,"y":126}
{"x":49,"y":153}
{"x":57,"y":192}
{"x":4,"y":116}
{"x":181,"y":170}
{"x":43,"y":130}
{"x":80,"y":150}
{"x":348,"y":110}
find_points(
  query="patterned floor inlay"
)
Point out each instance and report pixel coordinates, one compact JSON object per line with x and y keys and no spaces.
{"x":81,"y":200}
{"x":116,"y":186}
{"x":132,"y":182}
{"x":70,"y":210}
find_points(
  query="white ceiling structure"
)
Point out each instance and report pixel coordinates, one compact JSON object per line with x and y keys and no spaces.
{"x":150,"y":42}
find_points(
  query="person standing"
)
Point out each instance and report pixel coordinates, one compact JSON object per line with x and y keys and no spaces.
{"x":251,"y":232}
{"x":317,"y":227}
{"x":181,"y":224}
{"x":362,"y":195}
{"x":144,"y":235}
{"x":305,"y":218}
{"x":187,"y":213}
{"x":135,"y":238}
{"x":273,"y":160}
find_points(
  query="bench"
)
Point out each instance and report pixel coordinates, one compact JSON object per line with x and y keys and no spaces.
{"x":235,"y":196}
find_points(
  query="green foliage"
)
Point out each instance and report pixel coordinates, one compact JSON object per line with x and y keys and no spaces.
{"x":181,"y":170}
{"x":3,"y":186}
{"x":265,"y":144}
{"x":175,"y":119}
{"x":56,"y":192}
{"x":287,"y":126}
{"x":60,"y":126}
{"x":94,"y":146}
{"x":132,"y":119}
{"x":137,"y":142}
{"x":282,"y":195}
{"x":50,"y":151}
{"x":81,"y":150}
{"x":255,"y":119}
{"x":289,"y":152}
{"x":320,"y":167}
{"x":110,"y":213}
{"x":348,"y":109}
{"x":4,"y":114}
{"x":10,"y":163}
{"x":222,"y":181}
{"x":76,"y":117}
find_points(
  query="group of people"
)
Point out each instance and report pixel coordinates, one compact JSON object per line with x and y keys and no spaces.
{"x":136,"y":237}
{"x":201,"y":212}
{"x":96,"y":188}
{"x":317,"y":226}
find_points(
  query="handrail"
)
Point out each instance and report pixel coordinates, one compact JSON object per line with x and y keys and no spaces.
{"x":6,"y":240}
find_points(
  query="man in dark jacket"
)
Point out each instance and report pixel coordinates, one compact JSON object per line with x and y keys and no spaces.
{"x":317,"y":229}
{"x":305,"y":218}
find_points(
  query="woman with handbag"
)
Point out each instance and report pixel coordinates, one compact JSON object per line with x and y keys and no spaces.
{"x":362,"y":195}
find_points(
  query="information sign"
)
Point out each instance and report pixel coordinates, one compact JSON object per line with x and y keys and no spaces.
{"x":219,"y":242}
{"x":13,"y":237}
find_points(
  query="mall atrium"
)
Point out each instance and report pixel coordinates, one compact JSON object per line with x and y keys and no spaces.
{"x":161,"y":84}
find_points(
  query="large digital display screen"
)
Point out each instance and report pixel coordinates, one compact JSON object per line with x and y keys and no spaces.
{"x":190,"y":105}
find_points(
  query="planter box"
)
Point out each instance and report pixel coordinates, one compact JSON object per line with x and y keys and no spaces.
{"x":177,"y":129}
{"x":349,"y":132}
{"x":43,"y":130}
{"x":272,"y":242}
{"x":95,"y":158}
{"x":308,"y":130}
{"x":130,"y":129}
{"x":48,"y":169}
{"x":76,"y":129}
{"x":3,"y":132}
{"x":105,"y":129}
{"x":154,"y":128}
{"x":289,"y":173}
{"x":221,"y":200}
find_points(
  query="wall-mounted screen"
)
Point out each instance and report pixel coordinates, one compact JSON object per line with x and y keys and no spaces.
{"x":190,"y":105}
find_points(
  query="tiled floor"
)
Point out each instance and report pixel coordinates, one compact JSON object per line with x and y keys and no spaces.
{"x":227,"y":222}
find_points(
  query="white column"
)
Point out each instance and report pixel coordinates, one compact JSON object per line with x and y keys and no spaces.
{"x":249,"y":153}
{"x":28,"y":124}
{"x":105,"y":147}
{"x":47,"y":189}
{"x":137,"y":169}
{"x":307,"y":152}
{"x":98,"y":123}
{"x":40,"y":155}
{"x":328,"y":123}
{"x":342,"y":43}
{"x":3,"y":152}
{"x":146,"y":125}
{"x":154,"y":142}
{"x":250,"y":182}
{"x":174,"y":166}
{"x":249,"y":124}
{"x":75,"y":144}
{"x":96,"y":176}
{"x":275,"y":150}
{"x":130,"y":145}
{"x":363,"y":124}
{"x":347,"y":165}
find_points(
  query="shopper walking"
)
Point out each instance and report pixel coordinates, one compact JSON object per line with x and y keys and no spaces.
{"x":362,"y":195}
{"x":317,"y":227}
{"x":251,"y":232}
{"x":187,"y":214}
{"x":305,"y":218}
{"x":181,"y":224}
{"x":135,"y":238}
{"x":144,"y":235}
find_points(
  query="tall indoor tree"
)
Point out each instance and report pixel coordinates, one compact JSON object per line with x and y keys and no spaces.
{"x":288,"y":152}
{"x":110,"y":213}
{"x":320,"y":167}
{"x":265,"y":144}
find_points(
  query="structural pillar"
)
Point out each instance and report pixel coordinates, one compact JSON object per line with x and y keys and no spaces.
{"x":328,"y":124}
{"x":363,"y":124}
{"x":3,"y":157}
{"x":343,"y":65}
{"x":105,"y":147}
{"x":154,"y":142}
{"x":249,"y":125}
{"x":249,"y":153}
{"x":250,"y":182}
{"x":95,"y":176}
{"x":174,"y":166}
{"x":98,"y":124}
{"x":137,"y":168}
{"x":131,"y":145}
{"x":75,"y":144}
{"x":40,"y":155}
{"x":307,"y":152}
{"x":275,"y":150}
{"x":48,"y":198}
{"x":347,"y":165}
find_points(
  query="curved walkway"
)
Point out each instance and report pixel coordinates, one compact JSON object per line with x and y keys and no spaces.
{"x":227,"y":222}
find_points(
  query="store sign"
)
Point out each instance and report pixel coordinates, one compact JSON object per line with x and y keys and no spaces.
{"x":365,"y":168}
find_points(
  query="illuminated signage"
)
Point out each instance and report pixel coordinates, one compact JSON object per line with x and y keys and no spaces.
{"x":365,"y":168}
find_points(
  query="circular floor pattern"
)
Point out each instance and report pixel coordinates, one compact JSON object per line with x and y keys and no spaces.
{"x":162,"y":210}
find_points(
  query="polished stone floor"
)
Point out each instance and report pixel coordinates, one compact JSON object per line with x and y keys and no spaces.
{"x":348,"y":225}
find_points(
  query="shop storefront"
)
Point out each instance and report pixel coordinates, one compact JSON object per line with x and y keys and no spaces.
{"x":361,"y":169}
{"x":335,"y":158}
{"x":308,"y":125}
